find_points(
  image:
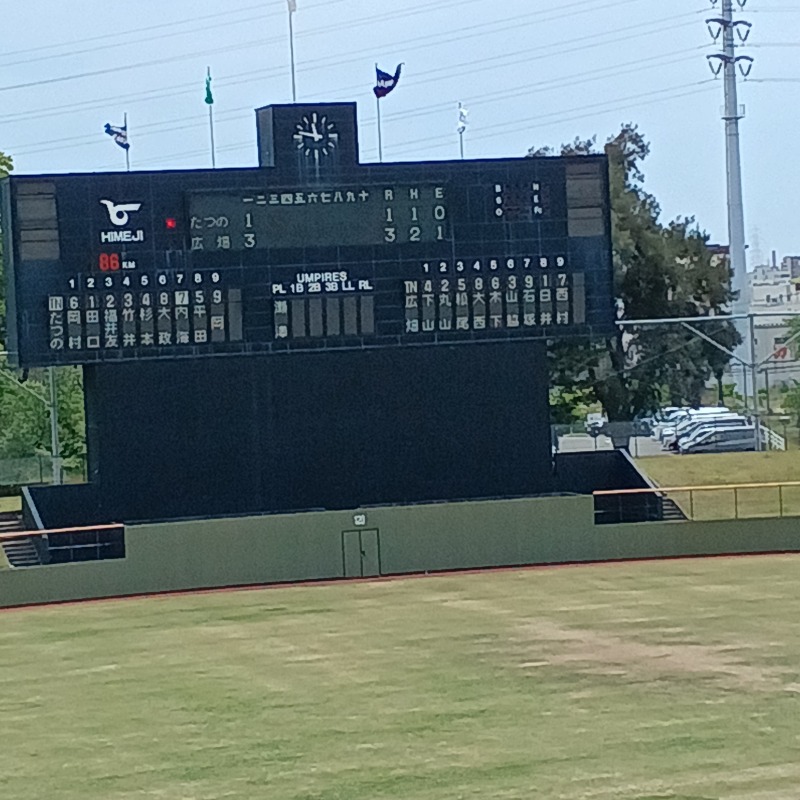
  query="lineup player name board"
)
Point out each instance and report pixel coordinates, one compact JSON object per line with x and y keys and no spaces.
{"x":117,"y":266}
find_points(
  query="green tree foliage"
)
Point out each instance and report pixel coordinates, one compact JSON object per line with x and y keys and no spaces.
{"x":660,"y":270}
{"x":793,"y":329}
{"x":6,"y":165}
{"x":791,"y":401}
{"x":24,"y":420}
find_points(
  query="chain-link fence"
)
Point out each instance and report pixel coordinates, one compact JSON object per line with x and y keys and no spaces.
{"x":39,"y":469}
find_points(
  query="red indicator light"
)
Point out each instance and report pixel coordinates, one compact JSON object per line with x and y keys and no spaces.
{"x":171,"y":223}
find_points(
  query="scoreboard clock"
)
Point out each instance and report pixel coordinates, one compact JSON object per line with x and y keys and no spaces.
{"x":311,"y":250}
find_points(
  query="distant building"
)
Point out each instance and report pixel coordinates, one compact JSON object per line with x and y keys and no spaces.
{"x":792,"y":263}
{"x":774,"y":289}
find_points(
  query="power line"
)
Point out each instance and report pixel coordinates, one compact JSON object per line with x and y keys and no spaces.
{"x":458,"y":69}
{"x":114,"y":45}
{"x":480,"y":30}
{"x":170,"y":26}
{"x":518,"y":91}
{"x":245,"y":77}
{"x":531,"y":123}
{"x":643,"y":98}
{"x":172,"y":32}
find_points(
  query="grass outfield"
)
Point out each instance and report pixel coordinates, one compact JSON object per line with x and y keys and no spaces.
{"x":645,"y":680}
{"x":718,"y":468}
{"x":10,"y":504}
{"x":713,"y":469}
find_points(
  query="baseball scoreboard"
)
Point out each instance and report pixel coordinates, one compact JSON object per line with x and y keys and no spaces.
{"x":309,"y":251}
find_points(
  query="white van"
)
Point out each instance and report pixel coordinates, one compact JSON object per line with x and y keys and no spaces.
{"x":722,"y":440}
{"x":705,"y":426}
{"x":690,"y":425}
{"x":690,"y":414}
{"x":666,"y":417}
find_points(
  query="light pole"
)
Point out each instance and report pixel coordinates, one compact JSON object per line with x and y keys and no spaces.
{"x":51,"y":404}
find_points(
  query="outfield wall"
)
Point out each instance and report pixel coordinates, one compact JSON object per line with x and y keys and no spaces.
{"x":394,"y":540}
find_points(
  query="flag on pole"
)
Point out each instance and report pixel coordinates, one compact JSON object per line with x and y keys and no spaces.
{"x":292,"y":6}
{"x":119,"y":134}
{"x":384,"y":82}
{"x":462,"y":118}
{"x":209,"y":96}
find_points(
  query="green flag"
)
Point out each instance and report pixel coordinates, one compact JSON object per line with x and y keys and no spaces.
{"x":209,"y":96}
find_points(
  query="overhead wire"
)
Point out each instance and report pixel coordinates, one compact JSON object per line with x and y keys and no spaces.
{"x":198,"y":120}
{"x":444,"y":140}
{"x":479,"y":30}
{"x":309,"y":65}
{"x":171,"y":32}
{"x":458,"y":69}
{"x":642,"y":98}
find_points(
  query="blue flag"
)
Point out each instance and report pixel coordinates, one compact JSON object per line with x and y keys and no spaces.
{"x":384,"y":82}
{"x":119,"y":134}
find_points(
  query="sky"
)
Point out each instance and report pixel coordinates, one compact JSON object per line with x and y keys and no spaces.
{"x":531,"y":73}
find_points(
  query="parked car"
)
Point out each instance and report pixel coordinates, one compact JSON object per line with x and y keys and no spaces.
{"x":595,"y":422}
{"x":665,"y":417}
{"x":722,"y":440}
{"x":643,"y":424}
{"x":668,"y":430}
{"x":690,"y":426}
{"x":701,"y":430}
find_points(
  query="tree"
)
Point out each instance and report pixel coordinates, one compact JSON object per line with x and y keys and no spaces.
{"x":660,"y":271}
{"x":24,"y":421}
{"x":6,"y":165}
{"x":791,"y":401}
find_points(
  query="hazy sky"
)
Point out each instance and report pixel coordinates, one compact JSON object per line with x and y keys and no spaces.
{"x":530,"y":72}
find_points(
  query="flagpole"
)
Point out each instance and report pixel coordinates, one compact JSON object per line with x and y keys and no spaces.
{"x":378,"y":104}
{"x":462,"y":127}
{"x":127,"y":149}
{"x":292,"y":7}
{"x":380,"y":143}
{"x":211,"y":119}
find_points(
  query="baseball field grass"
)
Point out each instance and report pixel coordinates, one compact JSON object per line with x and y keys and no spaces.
{"x":10,"y":503}
{"x":675,"y":679}
{"x":718,"y":469}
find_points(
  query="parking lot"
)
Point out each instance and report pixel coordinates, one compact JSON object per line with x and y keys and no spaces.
{"x":640,"y":446}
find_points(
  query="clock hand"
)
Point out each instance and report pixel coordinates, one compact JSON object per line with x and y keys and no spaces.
{"x":315,"y":136}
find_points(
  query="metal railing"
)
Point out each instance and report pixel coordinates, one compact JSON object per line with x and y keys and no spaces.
{"x":698,"y":503}
{"x":771,"y":439}
{"x":65,"y":545}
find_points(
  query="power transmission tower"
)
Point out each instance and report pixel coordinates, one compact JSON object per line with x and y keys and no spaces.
{"x":734,"y":33}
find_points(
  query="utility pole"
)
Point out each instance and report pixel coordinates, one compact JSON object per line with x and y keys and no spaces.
{"x":729,"y":63}
{"x":52,"y":407}
{"x":292,"y":10}
{"x":734,"y":33}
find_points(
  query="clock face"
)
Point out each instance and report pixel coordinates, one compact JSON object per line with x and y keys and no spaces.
{"x":316,"y":136}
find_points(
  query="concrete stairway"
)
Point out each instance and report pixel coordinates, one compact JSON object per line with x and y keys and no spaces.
{"x":20,"y":552}
{"x":671,"y":510}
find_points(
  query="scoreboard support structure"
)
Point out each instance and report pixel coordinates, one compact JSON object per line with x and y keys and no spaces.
{"x":313,"y":332}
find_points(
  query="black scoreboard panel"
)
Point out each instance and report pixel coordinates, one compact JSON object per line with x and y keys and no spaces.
{"x":242,"y":435}
{"x":125,"y":266}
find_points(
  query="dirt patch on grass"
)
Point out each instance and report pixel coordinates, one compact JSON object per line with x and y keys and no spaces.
{"x":734,"y":784}
{"x":607,"y":652}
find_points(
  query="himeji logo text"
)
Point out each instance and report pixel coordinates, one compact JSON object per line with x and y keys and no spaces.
{"x":119,"y":213}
